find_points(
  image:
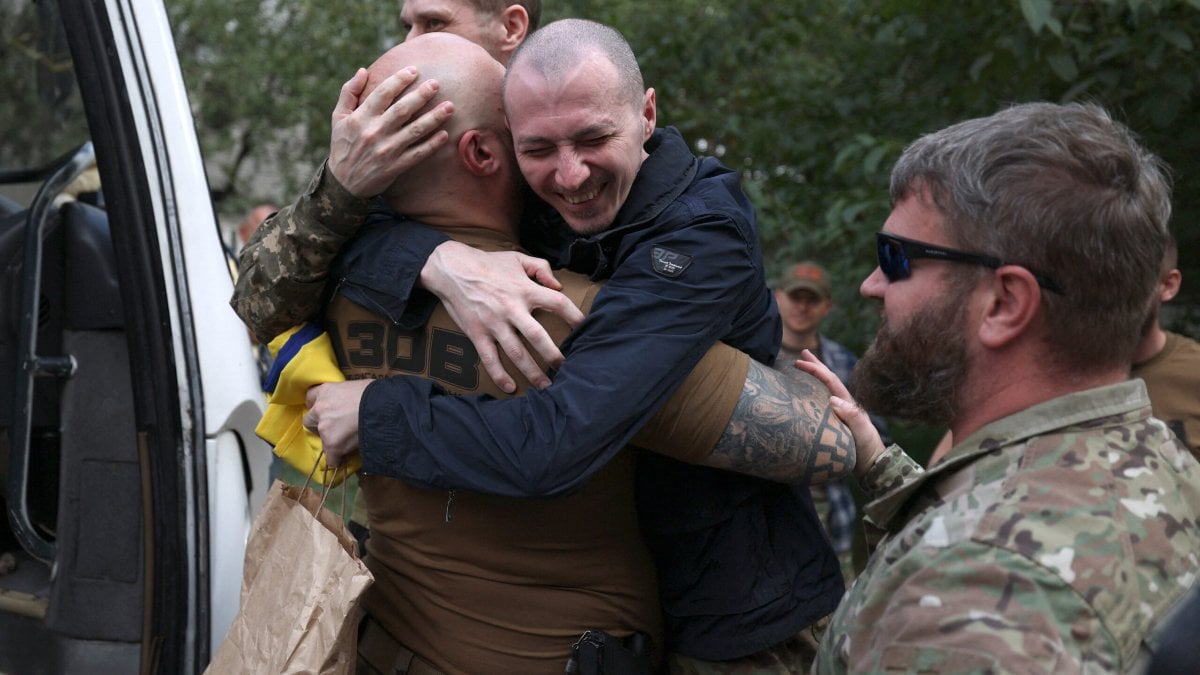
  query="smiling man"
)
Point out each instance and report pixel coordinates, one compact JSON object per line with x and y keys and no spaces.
{"x":744,"y":568}
{"x":580,"y":129}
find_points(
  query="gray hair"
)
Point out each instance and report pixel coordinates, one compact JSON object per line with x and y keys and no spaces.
{"x":1065,"y":191}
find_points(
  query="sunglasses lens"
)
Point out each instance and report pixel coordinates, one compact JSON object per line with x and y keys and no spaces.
{"x":892,"y":260}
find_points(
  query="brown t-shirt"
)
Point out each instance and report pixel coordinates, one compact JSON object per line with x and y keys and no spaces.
{"x":1173,"y":382}
{"x":475,"y":583}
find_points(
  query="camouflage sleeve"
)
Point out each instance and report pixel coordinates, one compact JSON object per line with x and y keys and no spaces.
{"x":284,"y":267}
{"x":891,"y":469}
{"x":972,"y":608}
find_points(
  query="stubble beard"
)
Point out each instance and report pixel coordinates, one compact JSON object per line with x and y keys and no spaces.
{"x":914,"y":371}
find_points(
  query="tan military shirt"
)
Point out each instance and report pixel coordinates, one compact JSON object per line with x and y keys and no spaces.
{"x":481,"y":584}
{"x":1172,"y":379}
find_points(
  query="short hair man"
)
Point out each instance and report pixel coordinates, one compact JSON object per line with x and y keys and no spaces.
{"x":498,"y":26}
{"x":680,"y":248}
{"x":1169,"y":363}
{"x":451,"y":567}
{"x":373,"y":140}
{"x":804,"y":294}
{"x":1015,"y":272}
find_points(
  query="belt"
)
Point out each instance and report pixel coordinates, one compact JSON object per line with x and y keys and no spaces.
{"x":378,"y":650}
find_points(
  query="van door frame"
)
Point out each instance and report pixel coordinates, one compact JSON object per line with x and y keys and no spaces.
{"x":135,"y":169}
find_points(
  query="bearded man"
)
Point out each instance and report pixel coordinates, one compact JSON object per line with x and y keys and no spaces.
{"x":1016,"y":269}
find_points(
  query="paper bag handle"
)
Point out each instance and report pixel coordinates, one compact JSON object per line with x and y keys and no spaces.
{"x":325,"y":489}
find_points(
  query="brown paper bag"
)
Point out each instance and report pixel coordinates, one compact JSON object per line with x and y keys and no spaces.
{"x":301,"y":585}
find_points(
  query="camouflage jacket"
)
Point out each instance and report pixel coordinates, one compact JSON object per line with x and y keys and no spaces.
{"x":1053,"y":540}
{"x":278,"y":285}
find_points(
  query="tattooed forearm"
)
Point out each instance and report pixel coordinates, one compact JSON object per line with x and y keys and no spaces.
{"x":783,"y":429}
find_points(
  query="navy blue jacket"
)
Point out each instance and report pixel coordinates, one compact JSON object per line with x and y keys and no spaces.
{"x":743,"y":563}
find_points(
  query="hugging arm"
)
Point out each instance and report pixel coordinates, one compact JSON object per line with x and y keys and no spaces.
{"x":283,"y":271}
{"x":736,"y":414}
{"x":784,"y":429}
{"x":644,"y":334}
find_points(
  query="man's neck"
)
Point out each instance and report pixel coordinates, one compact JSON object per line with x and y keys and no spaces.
{"x":797,"y":342}
{"x":1000,"y":391}
{"x":448,"y":212}
{"x":1151,"y":345}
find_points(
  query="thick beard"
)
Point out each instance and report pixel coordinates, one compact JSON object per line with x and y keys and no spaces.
{"x":914,"y":372}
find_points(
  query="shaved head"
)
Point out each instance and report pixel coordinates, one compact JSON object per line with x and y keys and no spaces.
{"x":469,"y":77}
{"x":478,"y":159}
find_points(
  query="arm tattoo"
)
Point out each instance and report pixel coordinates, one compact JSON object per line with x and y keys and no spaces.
{"x":783,"y":429}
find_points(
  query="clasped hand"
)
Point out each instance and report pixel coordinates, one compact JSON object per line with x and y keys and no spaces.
{"x":867,"y":443}
{"x":332,"y":413}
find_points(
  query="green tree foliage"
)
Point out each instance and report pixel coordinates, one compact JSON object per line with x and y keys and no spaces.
{"x":41,"y":116}
{"x":812,"y":100}
{"x":263,"y":77}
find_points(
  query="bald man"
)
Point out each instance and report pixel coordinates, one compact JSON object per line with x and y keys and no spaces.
{"x":469,"y":582}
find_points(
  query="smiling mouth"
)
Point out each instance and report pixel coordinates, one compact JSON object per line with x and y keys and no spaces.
{"x":580,"y":198}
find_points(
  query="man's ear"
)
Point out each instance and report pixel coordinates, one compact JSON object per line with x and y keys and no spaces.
{"x":1168,"y":286}
{"x":649,"y":113}
{"x":478,"y":151}
{"x":1013,"y":302}
{"x":515,"y":21}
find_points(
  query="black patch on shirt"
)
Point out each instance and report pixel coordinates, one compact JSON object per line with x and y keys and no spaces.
{"x":669,"y":263}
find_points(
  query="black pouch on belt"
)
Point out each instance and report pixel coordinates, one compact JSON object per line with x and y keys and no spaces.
{"x":598,"y":653}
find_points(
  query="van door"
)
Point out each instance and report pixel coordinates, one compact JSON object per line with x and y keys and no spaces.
{"x":129,"y":464}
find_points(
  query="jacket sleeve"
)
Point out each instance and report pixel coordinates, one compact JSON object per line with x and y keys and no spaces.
{"x":284,"y":267}
{"x":380,"y":271}
{"x":644,"y":334}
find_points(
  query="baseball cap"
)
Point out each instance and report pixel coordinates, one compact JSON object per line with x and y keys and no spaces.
{"x":807,"y":275}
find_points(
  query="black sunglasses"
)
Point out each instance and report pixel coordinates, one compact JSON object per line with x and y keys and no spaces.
{"x":895,"y":254}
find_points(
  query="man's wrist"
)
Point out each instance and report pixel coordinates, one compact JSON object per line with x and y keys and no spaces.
{"x":330,"y":204}
{"x":887,"y":471}
{"x":433,"y":272}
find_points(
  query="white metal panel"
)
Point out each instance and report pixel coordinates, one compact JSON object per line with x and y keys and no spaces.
{"x":207,"y":333}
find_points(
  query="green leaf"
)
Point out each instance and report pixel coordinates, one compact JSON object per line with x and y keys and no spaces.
{"x":1037,"y":13}
{"x":983,"y":62}
{"x":1177,"y":37}
{"x":1064,"y":66}
{"x":873,"y":159}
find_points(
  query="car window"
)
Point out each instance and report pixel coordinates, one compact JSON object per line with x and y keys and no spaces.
{"x":41,"y":115}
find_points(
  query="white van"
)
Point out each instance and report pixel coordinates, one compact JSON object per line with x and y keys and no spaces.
{"x":129,"y":469}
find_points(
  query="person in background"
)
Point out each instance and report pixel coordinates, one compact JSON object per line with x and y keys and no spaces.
{"x":804,"y":294}
{"x":244,"y":230}
{"x":251,"y":222}
{"x":499,"y":26}
{"x":1169,"y":363}
{"x":1016,"y":271}
{"x":284,"y":269}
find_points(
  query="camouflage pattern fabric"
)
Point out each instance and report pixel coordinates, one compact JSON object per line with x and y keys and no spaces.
{"x":284,"y":267}
{"x":1053,"y":540}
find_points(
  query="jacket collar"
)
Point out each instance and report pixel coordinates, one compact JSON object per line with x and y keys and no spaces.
{"x":1055,"y":415}
{"x":667,"y":172}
